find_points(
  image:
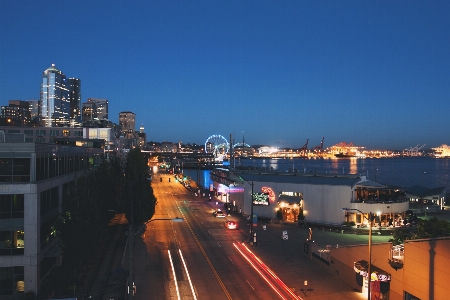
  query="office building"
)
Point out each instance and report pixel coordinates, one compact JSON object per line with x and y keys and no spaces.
{"x":74,"y":87}
{"x":127,"y":121}
{"x":33,"y":106}
{"x":33,"y":181}
{"x":89,"y":111}
{"x":54,"y":101}
{"x":101,"y":107}
{"x":15,"y":114}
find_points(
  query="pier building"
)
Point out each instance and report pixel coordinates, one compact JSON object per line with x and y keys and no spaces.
{"x":317,"y":198}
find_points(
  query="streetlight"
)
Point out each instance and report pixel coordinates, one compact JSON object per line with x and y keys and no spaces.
{"x":251,"y":210}
{"x":369,"y":277}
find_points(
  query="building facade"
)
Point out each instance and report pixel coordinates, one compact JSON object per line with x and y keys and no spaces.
{"x":127,"y":121}
{"x":318,"y":198}
{"x":74,"y":87}
{"x":54,"y":100}
{"x":33,"y":178}
{"x":101,"y":107}
{"x":17,"y":113}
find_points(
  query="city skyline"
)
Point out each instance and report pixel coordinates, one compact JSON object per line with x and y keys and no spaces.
{"x":274,"y":73}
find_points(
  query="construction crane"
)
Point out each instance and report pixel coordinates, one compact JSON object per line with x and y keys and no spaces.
{"x":414,"y":151}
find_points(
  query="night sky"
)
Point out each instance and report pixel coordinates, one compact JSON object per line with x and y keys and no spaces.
{"x":375,"y":73}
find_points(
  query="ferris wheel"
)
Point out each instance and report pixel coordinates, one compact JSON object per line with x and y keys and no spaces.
{"x":218,"y":145}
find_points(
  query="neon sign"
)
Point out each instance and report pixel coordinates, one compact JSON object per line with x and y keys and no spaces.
{"x":269,"y":191}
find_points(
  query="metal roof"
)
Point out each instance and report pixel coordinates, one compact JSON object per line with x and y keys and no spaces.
{"x":300,"y":178}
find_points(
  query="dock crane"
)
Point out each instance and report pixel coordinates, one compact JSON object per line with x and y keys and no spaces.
{"x":414,"y":151}
{"x":304,"y":148}
{"x":319,"y":147}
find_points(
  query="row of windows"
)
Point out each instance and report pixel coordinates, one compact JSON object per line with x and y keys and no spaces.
{"x":52,"y":165}
{"x":43,"y":132}
{"x":12,"y":206}
{"x":14,"y":170}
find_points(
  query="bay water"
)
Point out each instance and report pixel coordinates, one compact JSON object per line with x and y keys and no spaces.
{"x":404,"y":172}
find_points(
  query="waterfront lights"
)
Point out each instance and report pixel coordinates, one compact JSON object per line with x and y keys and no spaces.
{"x":369,"y":219}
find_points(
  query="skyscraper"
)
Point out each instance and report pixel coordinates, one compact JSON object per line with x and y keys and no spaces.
{"x":89,"y":111}
{"x":127,"y":121}
{"x":101,"y":107}
{"x":74,"y":86}
{"x":54,"y":103}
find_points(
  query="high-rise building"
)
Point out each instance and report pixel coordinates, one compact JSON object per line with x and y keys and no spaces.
{"x":89,"y":111}
{"x":54,"y":103}
{"x":15,"y":114}
{"x":101,"y":107}
{"x":74,"y":86}
{"x":127,"y":121}
{"x":34,"y":108}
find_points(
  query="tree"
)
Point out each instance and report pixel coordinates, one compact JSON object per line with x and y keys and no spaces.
{"x":430,"y":228}
{"x":140,"y":192}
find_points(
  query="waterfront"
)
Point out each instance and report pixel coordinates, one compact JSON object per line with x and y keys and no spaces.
{"x":402,"y":171}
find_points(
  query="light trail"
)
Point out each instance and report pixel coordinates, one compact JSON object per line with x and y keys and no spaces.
{"x":187,"y":272}
{"x":260,"y":273}
{"x":174,"y":275}
{"x":260,"y":267}
{"x":274,"y":276}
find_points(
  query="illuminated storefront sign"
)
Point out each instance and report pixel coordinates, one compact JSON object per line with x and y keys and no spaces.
{"x":261,"y":199}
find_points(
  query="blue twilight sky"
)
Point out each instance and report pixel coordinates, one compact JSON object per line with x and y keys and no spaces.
{"x":375,"y":73}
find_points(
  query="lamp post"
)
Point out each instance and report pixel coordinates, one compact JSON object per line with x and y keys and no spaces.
{"x":370,"y":247}
{"x":251,"y":212}
{"x":251,"y":208}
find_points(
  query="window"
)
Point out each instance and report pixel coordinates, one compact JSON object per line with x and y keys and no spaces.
{"x":40,"y":132}
{"x":12,"y":280}
{"x":11,"y":206}
{"x":13,"y":130}
{"x":66,"y":132}
{"x":79,"y":133}
{"x":28,"y":132}
{"x":14,"y":169}
{"x":54,"y":132}
{"x":12,"y":242}
{"x":28,"y":140}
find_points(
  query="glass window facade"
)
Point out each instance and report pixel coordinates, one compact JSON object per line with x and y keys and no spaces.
{"x":12,"y":224}
{"x":12,"y":280}
{"x":28,"y":132}
{"x":40,"y":132}
{"x":14,"y":170}
{"x":54,"y":132}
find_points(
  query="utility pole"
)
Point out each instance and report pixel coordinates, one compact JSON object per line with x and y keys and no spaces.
{"x":251,"y":214}
{"x":130,"y":249}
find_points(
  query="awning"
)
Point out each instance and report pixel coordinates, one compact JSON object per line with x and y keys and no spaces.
{"x":378,"y":274}
{"x":290,"y":199}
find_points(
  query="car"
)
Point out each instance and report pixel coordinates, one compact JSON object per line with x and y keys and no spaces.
{"x":231,"y":224}
{"x":219,"y":214}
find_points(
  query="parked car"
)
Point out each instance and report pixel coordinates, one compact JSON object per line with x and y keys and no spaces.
{"x":219,"y":214}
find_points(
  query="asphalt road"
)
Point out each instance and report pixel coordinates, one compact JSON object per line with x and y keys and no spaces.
{"x":215,"y":268}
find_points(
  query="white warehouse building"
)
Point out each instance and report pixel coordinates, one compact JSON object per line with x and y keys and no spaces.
{"x":317,"y":198}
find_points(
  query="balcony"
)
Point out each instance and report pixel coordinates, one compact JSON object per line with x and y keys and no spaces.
{"x":397,"y":256}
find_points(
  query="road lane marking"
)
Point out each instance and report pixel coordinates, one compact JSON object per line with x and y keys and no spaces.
{"x":174,"y":275}
{"x":206,"y":256}
{"x":187,"y":273}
